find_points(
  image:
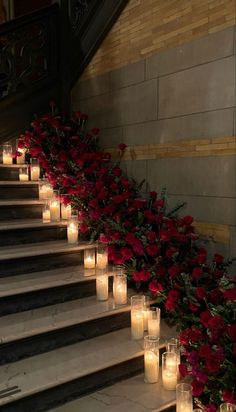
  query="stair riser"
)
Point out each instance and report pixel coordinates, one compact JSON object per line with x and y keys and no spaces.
{"x":9,"y":173}
{"x":39,"y":263}
{"x":50,"y":296}
{"x":20,"y":212}
{"x":31,"y":235}
{"x":50,"y":398}
{"x":65,"y":336}
{"x":19,"y":192}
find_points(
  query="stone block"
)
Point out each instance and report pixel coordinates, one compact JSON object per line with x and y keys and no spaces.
{"x":206,"y":209}
{"x":128,"y":75}
{"x":91,"y":87}
{"x":201,"y":176}
{"x":205,"y":49}
{"x":199,"y":89}
{"x":195,"y":126}
{"x":131,"y":104}
{"x":111,"y":137}
{"x":136,"y":170}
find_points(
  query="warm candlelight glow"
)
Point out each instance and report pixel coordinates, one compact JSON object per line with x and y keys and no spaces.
{"x":65,"y":211}
{"x":46,"y":216}
{"x":151,"y":367}
{"x":102,"y":286}
{"x":35,"y":172}
{"x":72,"y":232}
{"x":7,"y":154}
{"x":154,"y":322}
{"x":23,"y":174}
{"x":20,"y":159}
{"x":120,"y":288}
{"x":184,"y":398}
{"x":89,"y":259}
{"x":137,"y":328}
{"x":102,"y":258}
{"x":169,"y":370}
{"x":55,"y":210}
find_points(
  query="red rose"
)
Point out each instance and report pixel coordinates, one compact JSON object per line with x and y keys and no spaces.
{"x":126,"y":253}
{"x":218,"y":258}
{"x":153,"y":195}
{"x":63,"y":156}
{"x":171,"y":252}
{"x":205,"y":351}
{"x":200,"y":293}
{"x":83,"y":228}
{"x":152,"y":250}
{"x":95,"y":131}
{"x":205,"y":318}
{"x":118,"y":199}
{"x":121,"y":146}
{"x":215,"y":296}
{"x":198,"y":388}
{"x":187,"y":220}
{"x":151,"y":236}
{"x":117,"y":171}
{"x":155,"y":287}
{"x":197,"y":273}
{"x":174,"y":271}
{"x":230,"y":294}
{"x":193,"y":307}
{"x":228,"y":396}
{"x":231,"y":331}
{"x":149,"y":216}
{"x":183,"y":370}
{"x":212,"y":364}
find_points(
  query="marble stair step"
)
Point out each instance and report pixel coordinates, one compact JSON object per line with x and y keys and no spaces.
{"x":18,"y":190}
{"x":13,"y":232}
{"x":36,"y":331}
{"x":20,"y":209}
{"x":10,"y":172}
{"x":49,"y":378}
{"x":25,"y":258}
{"x":132,"y":395}
{"x":34,"y":290}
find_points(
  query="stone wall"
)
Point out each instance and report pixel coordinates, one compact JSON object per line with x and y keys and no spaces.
{"x":176,"y":112}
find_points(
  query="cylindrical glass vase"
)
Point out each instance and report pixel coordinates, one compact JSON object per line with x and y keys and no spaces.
{"x":169,"y":370}
{"x":227,"y":407}
{"x":154,"y":321}
{"x":151,"y":359}
{"x":120,"y":287}
{"x":46,"y":212}
{"x":20,"y":159}
{"x":7,"y":154}
{"x":184,"y":398}
{"x":102,"y":284}
{"x":102,"y":257}
{"x":72,"y":230}
{"x":23,"y":174}
{"x":137,"y":318}
{"x":34,"y":169}
{"x":89,"y":259}
{"x":55,"y":207}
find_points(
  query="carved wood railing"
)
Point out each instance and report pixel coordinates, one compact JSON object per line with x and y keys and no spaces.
{"x":43,"y":54}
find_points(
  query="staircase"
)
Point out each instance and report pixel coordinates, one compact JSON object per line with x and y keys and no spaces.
{"x":57,"y":342}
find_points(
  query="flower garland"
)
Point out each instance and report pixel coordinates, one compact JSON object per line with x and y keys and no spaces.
{"x":159,"y":250}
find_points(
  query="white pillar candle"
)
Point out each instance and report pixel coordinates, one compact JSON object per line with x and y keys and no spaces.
{"x":23,"y":177}
{"x":55,"y":210}
{"x":169,"y":370}
{"x":7,"y":154}
{"x":137,"y":328}
{"x":102,"y":260}
{"x":89,"y":259}
{"x":43,"y":191}
{"x":72,"y":232}
{"x":151,"y":367}
{"x":7,"y":159}
{"x":154,"y":327}
{"x":120,"y":288}
{"x":46,"y":216}
{"x":184,"y":397}
{"x":35,"y":172}
{"x":102,"y":286}
{"x":145,"y":319}
{"x":65,"y":211}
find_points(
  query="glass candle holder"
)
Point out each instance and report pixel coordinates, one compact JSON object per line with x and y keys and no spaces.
{"x":102,"y":257}
{"x":173,"y":345}
{"x":89,"y":259}
{"x":137,"y":318}
{"x":23,"y":174}
{"x":20,"y":159}
{"x":7,"y":154}
{"x":46,"y":212}
{"x":45,"y":189}
{"x":146,"y":307}
{"x":66,"y":212}
{"x":120,"y":287}
{"x":154,"y":321}
{"x":55,"y":207}
{"x":34,"y":169}
{"x":72,"y":231}
{"x":169,"y":370}
{"x":151,"y":359}
{"x":227,"y":407}
{"x":184,"y":397}
{"x":102,"y":284}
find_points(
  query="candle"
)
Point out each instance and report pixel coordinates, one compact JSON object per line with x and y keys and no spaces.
{"x":102,"y":286}
{"x":146,"y":306}
{"x":184,"y":398}
{"x":46,"y":216}
{"x":102,"y":258}
{"x":45,"y":190}
{"x":35,"y":172}
{"x":55,"y":210}
{"x":174,"y":346}
{"x":20,"y":159}
{"x":23,"y":174}
{"x":151,"y":367}
{"x":65,"y":211}
{"x":7,"y":154}
{"x":120,"y":287}
{"x":169,"y":370}
{"x":89,"y":259}
{"x":154,"y":322}
{"x":72,"y":232}
{"x":137,"y":328}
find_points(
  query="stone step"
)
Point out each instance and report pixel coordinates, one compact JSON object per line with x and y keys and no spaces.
{"x":28,"y":258}
{"x":44,"y":380}
{"x":14,"y":232}
{"x":132,"y":395}
{"x":34,"y":290}
{"x":36,"y":331}
{"x":19,"y":190}
{"x":10,"y":172}
{"x":20,"y":209}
